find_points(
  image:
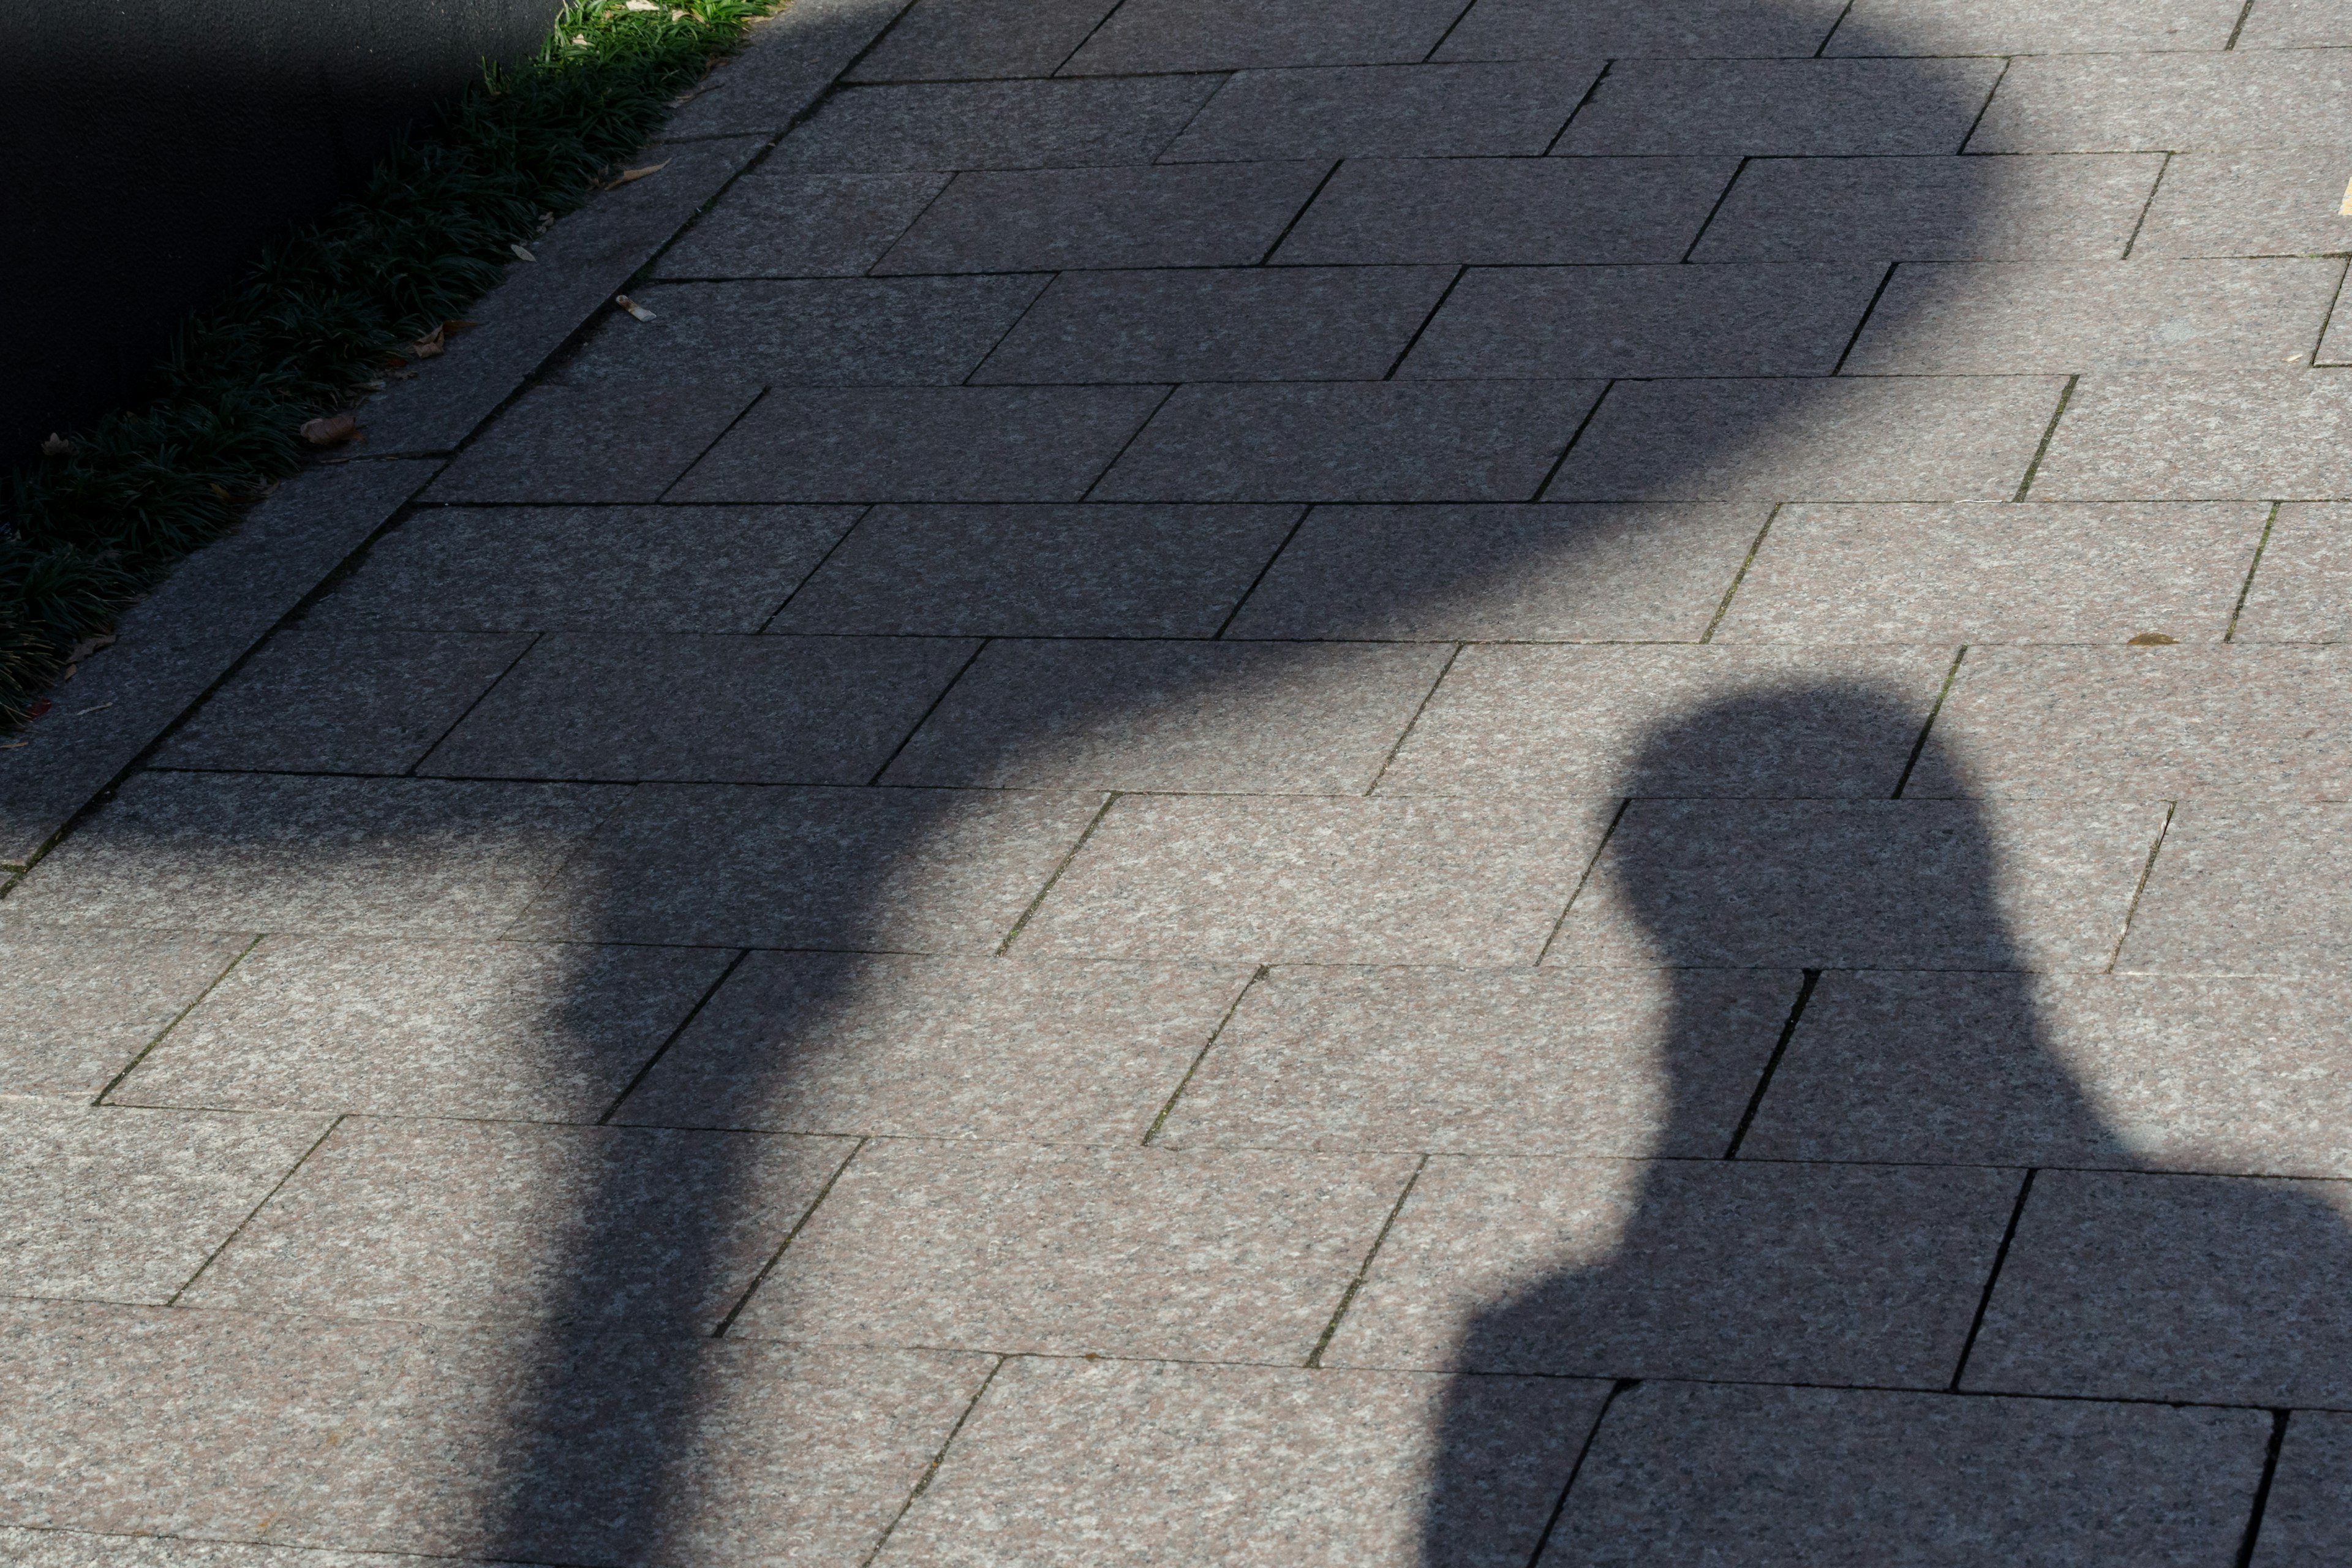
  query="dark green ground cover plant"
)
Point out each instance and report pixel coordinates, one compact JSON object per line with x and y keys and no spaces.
{"x":327,"y":309}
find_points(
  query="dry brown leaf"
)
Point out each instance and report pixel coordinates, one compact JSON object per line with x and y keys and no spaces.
{"x":455,"y":325}
{"x":87,"y":645}
{"x":55,"y":446}
{"x":633,"y":307}
{"x":522,"y":253}
{"x":2152,"y":639}
{"x":430,"y":346}
{"x":332,"y":430}
{"x":625,"y":175}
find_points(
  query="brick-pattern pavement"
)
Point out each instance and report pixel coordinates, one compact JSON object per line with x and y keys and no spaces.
{"x":1350,"y":782}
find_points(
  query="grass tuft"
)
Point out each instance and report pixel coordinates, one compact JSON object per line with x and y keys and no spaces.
{"x":86,"y":530}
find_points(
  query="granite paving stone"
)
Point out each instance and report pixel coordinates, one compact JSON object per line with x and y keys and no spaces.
{"x":1041,"y":570}
{"x":1225,"y":1256}
{"x":994,"y":125}
{"x":934,"y":1047}
{"x":1216,"y":214}
{"x":2276,"y":201}
{"x":134,"y":1419}
{"x":2301,"y":592}
{"x":1857,"y":884}
{"x":84,"y":1003}
{"x":1224,"y":34}
{"x":2031,"y":27}
{"x":508,"y":1030}
{"x":2336,"y":343}
{"x":1795,"y":438}
{"x":1303,"y":1466}
{"x":2145,"y":723}
{"x":2307,"y":1519}
{"x":2247,"y":887}
{"x":2229,"y":1075}
{"x":968,"y":39}
{"x":1714,"y":1269}
{"x":1931,"y":209}
{"x":1199,"y":717}
{"x":1509,"y":211}
{"x":1472,"y":882}
{"x":718,"y":865}
{"x":125,"y":1206}
{"x":1223,"y":324}
{"x":1388,"y":111}
{"x":594,"y":443}
{"x":1811,"y":108}
{"x":464,"y":1220}
{"x":530,"y":569}
{"x":912,"y":444}
{"x":1486,"y":1062}
{"x":352,"y":857}
{"x":1539,"y":29}
{"x":1366,"y":441}
{"x":2293,"y":25}
{"x":2278,"y":434}
{"x":2171,"y":102}
{"x":1521,"y":719}
{"x":2125,"y":1284}
{"x":72,"y":1549}
{"x":800,"y":226}
{"x":1544,"y":573}
{"x":497,"y":1444}
{"x":1991,"y":320}
{"x":1998,"y":573}
{"x":733,"y":709}
{"x":1730,"y":321}
{"x":342,"y":701}
{"x":820,"y":332}
{"x":1774,"y":1477}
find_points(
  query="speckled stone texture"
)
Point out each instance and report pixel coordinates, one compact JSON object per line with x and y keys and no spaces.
{"x":84,"y":1003}
{"x":2247,"y":887}
{"x":2304,"y":591}
{"x":1044,"y":220}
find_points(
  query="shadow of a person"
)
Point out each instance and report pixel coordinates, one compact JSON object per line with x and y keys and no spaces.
{"x":1919,"y":1203}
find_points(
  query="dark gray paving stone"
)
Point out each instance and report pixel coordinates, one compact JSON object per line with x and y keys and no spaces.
{"x":862,"y":331}
{"x":1508,"y":210}
{"x":1777,"y":1477}
{"x":1041,"y":570}
{"x":1543,"y":29}
{"x":529,"y":569}
{"x":2307,"y":1522}
{"x":789,"y":59}
{"x":2301,"y":592}
{"x":594,"y":443}
{"x":364,"y":857}
{"x":716,"y":865}
{"x":1388,"y":111}
{"x":969,"y":39}
{"x":1783,"y":108}
{"x":342,"y":701}
{"x":2272,"y":435}
{"x":800,"y":226}
{"x":1951,"y":438}
{"x":1041,"y":220}
{"x":942,"y":444}
{"x":184,"y":636}
{"x":1709,"y":1269}
{"x":1243,"y":718}
{"x":1340,"y":1459}
{"x":507,"y":1030}
{"x":1368,"y":442}
{"x":2034,"y":28}
{"x":1930,"y":209}
{"x":1859,"y":884}
{"x":583,"y":261}
{"x":1225,"y":35}
{"x":84,"y":1003}
{"x":2247,"y":887}
{"x":2171,"y":102}
{"x":996,"y":125}
{"x":1544,"y":573}
{"x":2237,"y":1076}
{"x":1978,"y":319}
{"x":1743,"y":319}
{"x":2123,"y":1284}
{"x":2280,"y":201}
{"x":1252,"y":324}
{"x":730,"y":710}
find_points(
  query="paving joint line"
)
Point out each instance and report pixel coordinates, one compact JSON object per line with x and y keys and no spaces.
{"x":931,"y":1471}
{"x":2319,"y":346}
{"x":1589,"y":867}
{"x":1110,"y":798}
{"x":1396,"y":364}
{"x":1576,"y":1467}
{"x":1992,"y":1279}
{"x":1266,"y":256}
{"x":1822,"y":49}
{"x":174,"y":1022}
{"x":979,"y":647}
{"x":2279,"y":1417}
{"x":712,"y":445}
{"x":808,"y":1214}
{"x":1265,"y":567}
{"x":1722,"y":605}
{"x":275,"y":1188}
{"x":1051,"y":278}
{"x":1867,"y":312}
{"x":1982,"y":109}
{"x":2141,"y":222}
{"x":2049,"y":432}
{"x":1207,"y":1046}
{"x":725,"y":973}
{"x":1591,"y":94}
{"x":2139,"y":889}
{"x":1721,"y":197}
{"x":2245,"y":12}
{"x":1935,"y":709}
{"x":2229,"y":632}
{"x":863,"y":511}
{"x":1363,"y":1269}
{"x":1431,"y":58}
{"x":1812,"y":977}
{"x":1167,"y":394}
{"x":1419,"y":709}
{"x":1574,"y":435}
{"x":532,"y":641}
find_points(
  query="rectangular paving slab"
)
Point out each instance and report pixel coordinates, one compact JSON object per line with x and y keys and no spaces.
{"x":1219,"y":214}
{"x":2273,"y":202}
{"x":2171,"y":102}
{"x":994,"y":125}
{"x":2301,"y":592}
{"x":787,"y":225}
{"x":2031,"y":27}
{"x":1224,"y":35}
{"x":2257,"y":434}
{"x":594,"y":444}
{"x":970,"y":38}
{"x":1807,"y":109}
{"x":1388,"y":111}
{"x":85,"y":1004}
{"x":2247,"y":887}
{"x":2307,"y":1519}
{"x":1533,"y":30}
